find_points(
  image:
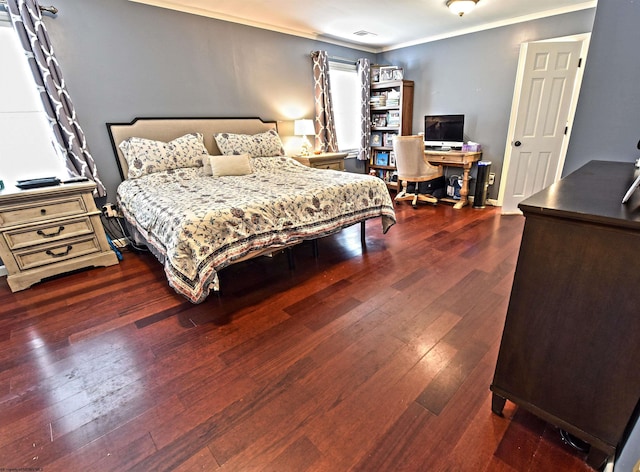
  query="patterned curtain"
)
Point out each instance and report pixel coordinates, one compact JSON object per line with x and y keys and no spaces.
{"x":27,"y":21}
{"x":364,"y":74}
{"x":324,"y":122}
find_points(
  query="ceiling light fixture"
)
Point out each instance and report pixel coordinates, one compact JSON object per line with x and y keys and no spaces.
{"x":460,"y":7}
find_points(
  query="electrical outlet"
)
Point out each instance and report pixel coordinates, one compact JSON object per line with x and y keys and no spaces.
{"x":492,"y":178}
{"x":109,"y":210}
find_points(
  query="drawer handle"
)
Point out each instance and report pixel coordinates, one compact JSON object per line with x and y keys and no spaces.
{"x":43,"y":211}
{"x":50,"y":235}
{"x":60,"y":254}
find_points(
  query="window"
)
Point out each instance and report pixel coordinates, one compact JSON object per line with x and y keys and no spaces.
{"x":26,"y":140}
{"x":345,"y":93}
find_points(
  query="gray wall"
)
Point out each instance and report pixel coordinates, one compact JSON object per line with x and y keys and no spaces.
{"x":475,"y":75}
{"x":123,"y":59}
{"x":607,"y":124}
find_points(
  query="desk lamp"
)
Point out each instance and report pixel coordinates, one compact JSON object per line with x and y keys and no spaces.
{"x":304,"y":128}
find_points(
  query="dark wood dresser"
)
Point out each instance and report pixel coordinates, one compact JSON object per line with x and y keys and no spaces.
{"x":570,"y":350}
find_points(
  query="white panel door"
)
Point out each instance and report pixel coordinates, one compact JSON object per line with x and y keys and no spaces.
{"x":545,"y":97}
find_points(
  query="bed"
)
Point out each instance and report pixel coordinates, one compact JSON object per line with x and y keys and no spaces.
{"x":197,"y":216}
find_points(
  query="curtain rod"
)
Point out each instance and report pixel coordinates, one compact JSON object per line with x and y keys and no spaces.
{"x":51,"y":9}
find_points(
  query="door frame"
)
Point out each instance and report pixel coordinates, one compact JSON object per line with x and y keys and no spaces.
{"x":584,"y":38}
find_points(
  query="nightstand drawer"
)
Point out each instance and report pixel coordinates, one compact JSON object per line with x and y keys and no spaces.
{"x":43,"y":209}
{"x":48,"y":232}
{"x":54,"y":253}
{"x":325,"y":160}
{"x":332,"y":166}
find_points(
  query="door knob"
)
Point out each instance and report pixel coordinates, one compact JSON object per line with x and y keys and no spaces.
{"x":517,"y":144}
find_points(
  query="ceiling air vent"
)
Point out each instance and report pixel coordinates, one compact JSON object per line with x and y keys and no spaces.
{"x":364,"y":33}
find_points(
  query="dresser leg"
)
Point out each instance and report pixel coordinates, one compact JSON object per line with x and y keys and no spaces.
{"x":497,"y":404}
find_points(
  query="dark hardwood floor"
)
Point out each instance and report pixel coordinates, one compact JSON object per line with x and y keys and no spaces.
{"x":366,"y":360}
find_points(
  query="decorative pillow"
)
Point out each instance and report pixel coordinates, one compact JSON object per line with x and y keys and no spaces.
{"x":265,"y":144}
{"x":145,"y":156}
{"x":230,"y":165}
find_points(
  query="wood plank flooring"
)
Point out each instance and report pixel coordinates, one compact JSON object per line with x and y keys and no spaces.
{"x":374,"y":359}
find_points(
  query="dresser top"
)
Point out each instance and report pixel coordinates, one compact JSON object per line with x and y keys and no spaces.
{"x":592,"y":193}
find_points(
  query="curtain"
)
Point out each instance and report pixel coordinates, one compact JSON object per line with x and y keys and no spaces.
{"x":69,"y":137}
{"x":324,"y":122}
{"x":364,"y":74}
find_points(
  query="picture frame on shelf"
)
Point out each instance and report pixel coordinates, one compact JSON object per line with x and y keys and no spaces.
{"x":392,"y":159}
{"x":393,"y":118}
{"x":386,"y":73}
{"x":376,"y":138}
{"x":398,"y":74}
{"x":382,"y":158}
{"x":375,"y":74}
{"x":387,"y":139}
{"x":379,"y":120}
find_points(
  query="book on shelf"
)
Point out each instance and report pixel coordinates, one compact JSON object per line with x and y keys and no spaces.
{"x":376,"y":138}
{"x":378,"y":100}
{"x":393,"y":98}
{"x":390,"y":98}
{"x":389,"y":176}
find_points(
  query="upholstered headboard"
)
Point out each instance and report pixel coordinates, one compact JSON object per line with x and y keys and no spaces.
{"x":167,"y":129}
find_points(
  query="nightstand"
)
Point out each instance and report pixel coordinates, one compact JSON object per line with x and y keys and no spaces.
{"x":50,"y":231}
{"x":325,"y":160}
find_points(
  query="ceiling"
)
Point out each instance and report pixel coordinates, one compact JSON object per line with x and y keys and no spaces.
{"x":393,"y":23}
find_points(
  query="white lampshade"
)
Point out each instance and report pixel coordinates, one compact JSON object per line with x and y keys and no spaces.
{"x":303,"y":128}
{"x":460,"y":7}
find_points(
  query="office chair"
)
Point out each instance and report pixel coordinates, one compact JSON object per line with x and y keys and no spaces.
{"x":412,"y":167}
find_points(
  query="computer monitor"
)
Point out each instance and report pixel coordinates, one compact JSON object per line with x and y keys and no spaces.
{"x":444,"y":130}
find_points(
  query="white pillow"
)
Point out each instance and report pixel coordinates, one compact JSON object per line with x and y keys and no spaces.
{"x":265,"y":144}
{"x":146,"y":156}
{"x":230,"y":165}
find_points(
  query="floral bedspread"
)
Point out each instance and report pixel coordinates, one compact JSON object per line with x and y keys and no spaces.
{"x":199,"y":224}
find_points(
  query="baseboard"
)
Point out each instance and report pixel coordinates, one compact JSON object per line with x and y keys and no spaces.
{"x":488,"y":201}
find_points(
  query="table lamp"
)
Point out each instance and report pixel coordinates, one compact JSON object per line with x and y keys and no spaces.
{"x":304,"y":128}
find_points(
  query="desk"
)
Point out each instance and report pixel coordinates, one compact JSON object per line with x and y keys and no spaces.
{"x":455,"y":159}
{"x":325,"y":160}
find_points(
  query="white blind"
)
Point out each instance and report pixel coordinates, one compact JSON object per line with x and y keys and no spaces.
{"x":345,"y":92}
{"x":26,"y":141}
